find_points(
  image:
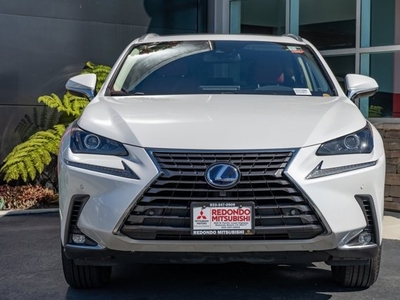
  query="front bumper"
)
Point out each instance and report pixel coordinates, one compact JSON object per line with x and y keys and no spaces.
{"x":111,"y":198}
{"x":106,"y":257}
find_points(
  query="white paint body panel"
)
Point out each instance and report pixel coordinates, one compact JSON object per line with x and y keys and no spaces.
{"x":221,"y":122}
{"x":225,"y":122}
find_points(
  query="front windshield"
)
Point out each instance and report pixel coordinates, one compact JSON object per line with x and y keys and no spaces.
{"x":212,"y":67}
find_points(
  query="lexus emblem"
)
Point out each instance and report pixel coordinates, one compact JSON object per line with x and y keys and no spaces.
{"x":222,"y":175}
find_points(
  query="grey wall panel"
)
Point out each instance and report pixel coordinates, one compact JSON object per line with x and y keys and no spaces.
{"x":40,"y":54}
{"x":162,"y":14}
{"x":130,"y":12}
{"x":8,"y":136}
{"x":44,"y":42}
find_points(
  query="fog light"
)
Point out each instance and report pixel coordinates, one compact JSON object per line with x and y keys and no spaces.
{"x":78,"y":238}
{"x":364,"y":238}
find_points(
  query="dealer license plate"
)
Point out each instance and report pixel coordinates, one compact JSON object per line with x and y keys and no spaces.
{"x":222,"y":218}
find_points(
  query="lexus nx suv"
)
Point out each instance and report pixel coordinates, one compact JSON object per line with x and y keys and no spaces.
{"x":218,"y":149}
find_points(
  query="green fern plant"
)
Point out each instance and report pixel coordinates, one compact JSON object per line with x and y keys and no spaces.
{"x":34,"y":159}
{"x":31,"y":157}
{"x":70,"y":104}
{"x":375,"y":111}
{"x":41,"y":119}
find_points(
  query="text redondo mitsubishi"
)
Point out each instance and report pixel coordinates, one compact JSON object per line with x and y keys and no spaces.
{"x":218,"y":149}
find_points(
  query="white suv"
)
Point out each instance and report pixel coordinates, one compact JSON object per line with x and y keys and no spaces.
{"x":221,"y":148}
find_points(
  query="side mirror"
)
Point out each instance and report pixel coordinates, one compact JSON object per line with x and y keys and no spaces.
{"x":359,"y":86}
{"x":83,"y":84}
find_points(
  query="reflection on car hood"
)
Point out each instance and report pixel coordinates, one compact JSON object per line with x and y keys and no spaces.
{"x":221,"y":121}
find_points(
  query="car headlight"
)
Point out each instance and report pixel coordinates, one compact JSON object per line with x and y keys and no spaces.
{"x":354,"y":143}
{"x":90,"y":143}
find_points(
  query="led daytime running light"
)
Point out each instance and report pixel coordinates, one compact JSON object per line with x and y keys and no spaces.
{"x":319,"y":172}
{"x":126,"y":172}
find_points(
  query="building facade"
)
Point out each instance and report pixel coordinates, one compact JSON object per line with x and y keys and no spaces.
{"x":44,"y":42}
{"x":354,"y":36}
{"x":47,"y":41}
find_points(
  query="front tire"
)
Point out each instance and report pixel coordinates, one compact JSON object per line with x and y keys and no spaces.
{"x":84,"y":277}
{"x":358,"y":276}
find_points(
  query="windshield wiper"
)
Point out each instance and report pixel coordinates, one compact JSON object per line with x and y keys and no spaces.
{"x":124,"y":92}
{"x":118,"y":93}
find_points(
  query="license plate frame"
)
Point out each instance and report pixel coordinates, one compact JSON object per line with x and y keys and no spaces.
{"x":222,"y":218}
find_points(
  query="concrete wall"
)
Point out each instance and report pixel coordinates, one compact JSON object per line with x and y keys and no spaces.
{"x":44,"y":42}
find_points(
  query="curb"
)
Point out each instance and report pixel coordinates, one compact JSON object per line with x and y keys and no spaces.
{"x":27,"y":211}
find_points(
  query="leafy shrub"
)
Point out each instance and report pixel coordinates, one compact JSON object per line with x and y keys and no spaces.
{"x":41,"y":119}
{"x":27,"y":196}
{"x":34,"y":159}
{"x":375,"y":111}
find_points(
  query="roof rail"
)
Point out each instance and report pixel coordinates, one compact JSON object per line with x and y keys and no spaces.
{"x":145,"y":37}
{"x":294,"y":36}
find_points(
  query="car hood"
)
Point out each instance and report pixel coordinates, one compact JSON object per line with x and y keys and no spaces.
{"x":221,"y":121}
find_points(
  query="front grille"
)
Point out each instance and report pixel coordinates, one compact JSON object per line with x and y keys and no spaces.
{"x":281,"y":210}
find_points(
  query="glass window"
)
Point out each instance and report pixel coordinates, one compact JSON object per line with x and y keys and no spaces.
{"x":341,"y":66}
{"x":386,"y":102}
{"x":384,"y":23}
{"x":217,"y":67}
{"x":264,"y":17}
{"x":328,"y":24}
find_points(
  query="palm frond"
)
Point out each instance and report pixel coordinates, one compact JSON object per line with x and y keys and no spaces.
{"x":35,"y":116}
{"x":70,"y":104}
{"x":35,"y":157}
{"x":25,"y":130}
{"x":52,"y":101}
{"x":42,"y":119}
{"x":52,"y":119}
{"x":29,"y":159}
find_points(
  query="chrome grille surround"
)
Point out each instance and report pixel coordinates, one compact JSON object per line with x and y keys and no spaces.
{"x":282,"y":212}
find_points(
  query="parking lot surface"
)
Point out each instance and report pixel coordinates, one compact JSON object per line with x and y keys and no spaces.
{"x":30,"y":268}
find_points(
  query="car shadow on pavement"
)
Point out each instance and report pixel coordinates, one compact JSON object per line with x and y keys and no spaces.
{"x":225,"y":281}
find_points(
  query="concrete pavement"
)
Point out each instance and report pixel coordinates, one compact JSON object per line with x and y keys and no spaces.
{"x":391,"y":226}
{"x":30,"y":268}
